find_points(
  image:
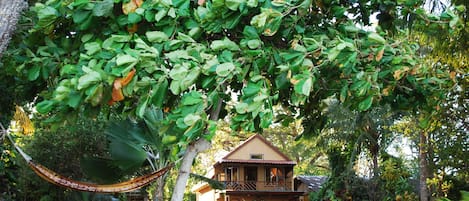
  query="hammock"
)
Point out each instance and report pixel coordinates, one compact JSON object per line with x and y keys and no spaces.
{"x":60,"y":180}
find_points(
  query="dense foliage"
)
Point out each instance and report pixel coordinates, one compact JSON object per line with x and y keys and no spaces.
{"x":199,"y":61}
{"x":61,"y":150}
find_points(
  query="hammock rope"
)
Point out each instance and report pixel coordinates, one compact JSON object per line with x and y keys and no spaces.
{"x":59,"y":180}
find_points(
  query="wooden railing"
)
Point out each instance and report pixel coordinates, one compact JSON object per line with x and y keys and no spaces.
{"x":257,"y":186}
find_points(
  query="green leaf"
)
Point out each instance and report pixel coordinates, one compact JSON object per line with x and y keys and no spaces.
{"x":251,"y":89}
{"x":80,"y":16}
{"x":85,"y":24}
{"x":160,"y":93}
{"x":254,"y":44}
{"x":343,"y":93}
{"x":80,"y":2}
{"x":156,"y":36}
{"x":250,"y":32}
{"x":103,"y":8}
{"x":190,"y":79}
{"x":233,"y":4}
{"x":259,"y":20}
{"x":252,"y":3}
{"x":142,"y":106}
{"x":125,"y":59}
{"x":68,"y":69}
{"x":339,"y":11}
{"x":134,"y":18}
{"x":273,"y":25}
{"x":46,"y":16}
{"x":88,"y":79}
{"x":185,"y":38}
{"x":365,"y":104}
{"x":175,"y":87}
{"x":126,"y":155}
{"x":225,"y":69}
{"x":191,"y":119}
{"x":74,"y":99}
{"x":45,"y":106}
{"x":260,"y":98}
{"x":179,"y":72}
{"x":33,"y":73}
{"x":241,"y":108}
{"x":306,"y":88}
{"x":95,"y":94}
{"x":192,"y":98}
{"x":226,"y":43}
{"x":160,"y":14}
{"x":169,"y":139}
{"x":172,"y":13}
{"x":92,"y":48}
{"x":374,"y":37}
{"x":121,"y":38}
{"x":361,"y":87}
{"x":218,"y":3}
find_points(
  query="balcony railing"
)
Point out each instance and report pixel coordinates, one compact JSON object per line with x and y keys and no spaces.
{"x":257,"y":186}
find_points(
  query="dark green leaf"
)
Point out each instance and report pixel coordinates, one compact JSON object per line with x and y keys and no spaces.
{"x":365,"y":104}
{"x":33,"y":73}
{"x":127,"y":156}
{"x":134,"y":18}
{"x":45,"y":106}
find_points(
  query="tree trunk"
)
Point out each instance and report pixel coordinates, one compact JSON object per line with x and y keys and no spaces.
{"x":158,"y":194}
{"x":9,"y":13}
{"x":423,"y":164}
{"x":185,"y":169}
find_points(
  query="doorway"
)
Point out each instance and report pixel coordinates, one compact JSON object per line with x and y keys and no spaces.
{"x":250,"y":178}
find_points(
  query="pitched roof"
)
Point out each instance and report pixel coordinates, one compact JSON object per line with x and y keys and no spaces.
{"x":314,"y":183}
{"x":286,"y":159}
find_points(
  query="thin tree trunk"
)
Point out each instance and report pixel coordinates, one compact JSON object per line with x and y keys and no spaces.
{"x":185,"y":169}
{"x":424,"y":193}
{"x":10,"y":11}
{"x":194,"y":148}
{"x":158,"y":194}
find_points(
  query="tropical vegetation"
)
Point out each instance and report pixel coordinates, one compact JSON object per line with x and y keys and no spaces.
{"x":155,"y":78}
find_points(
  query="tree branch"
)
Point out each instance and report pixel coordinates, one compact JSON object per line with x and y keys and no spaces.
{"x":9,"y":13}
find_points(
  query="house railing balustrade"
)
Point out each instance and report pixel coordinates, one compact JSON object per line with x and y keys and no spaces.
{"x":257,"y":186}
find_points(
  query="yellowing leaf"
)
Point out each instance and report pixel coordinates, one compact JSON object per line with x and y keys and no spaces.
{"x":129,"y":7}
{"x":387,"y":91}
{"x":398,"y":74}
{"x":380,"y":54}
{"x":128,"y":78}
{"x":117,"y":94}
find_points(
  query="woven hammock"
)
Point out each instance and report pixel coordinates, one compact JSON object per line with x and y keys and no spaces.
{"x":63,"y":181}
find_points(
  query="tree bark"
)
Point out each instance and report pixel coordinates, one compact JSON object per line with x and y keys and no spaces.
{"x":185,"y":169}
{"x":158,"y":194}
{"x":9,"y":13}
{"x":423,"y":164}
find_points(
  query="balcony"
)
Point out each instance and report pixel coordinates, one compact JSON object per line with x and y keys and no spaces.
{"x":258,"y":186}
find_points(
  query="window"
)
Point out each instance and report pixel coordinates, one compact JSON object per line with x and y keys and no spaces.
{"x":274,"y":175}
{"x":231,"y":173}
{"x":257,"y":156}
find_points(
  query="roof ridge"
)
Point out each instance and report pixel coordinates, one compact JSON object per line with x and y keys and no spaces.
{"x":273,"y":147}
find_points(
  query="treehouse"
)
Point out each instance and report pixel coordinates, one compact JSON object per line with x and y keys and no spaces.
{"x":255,"y":170}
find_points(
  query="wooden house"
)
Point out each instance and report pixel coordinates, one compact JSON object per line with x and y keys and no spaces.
{"x":254,"y":171}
